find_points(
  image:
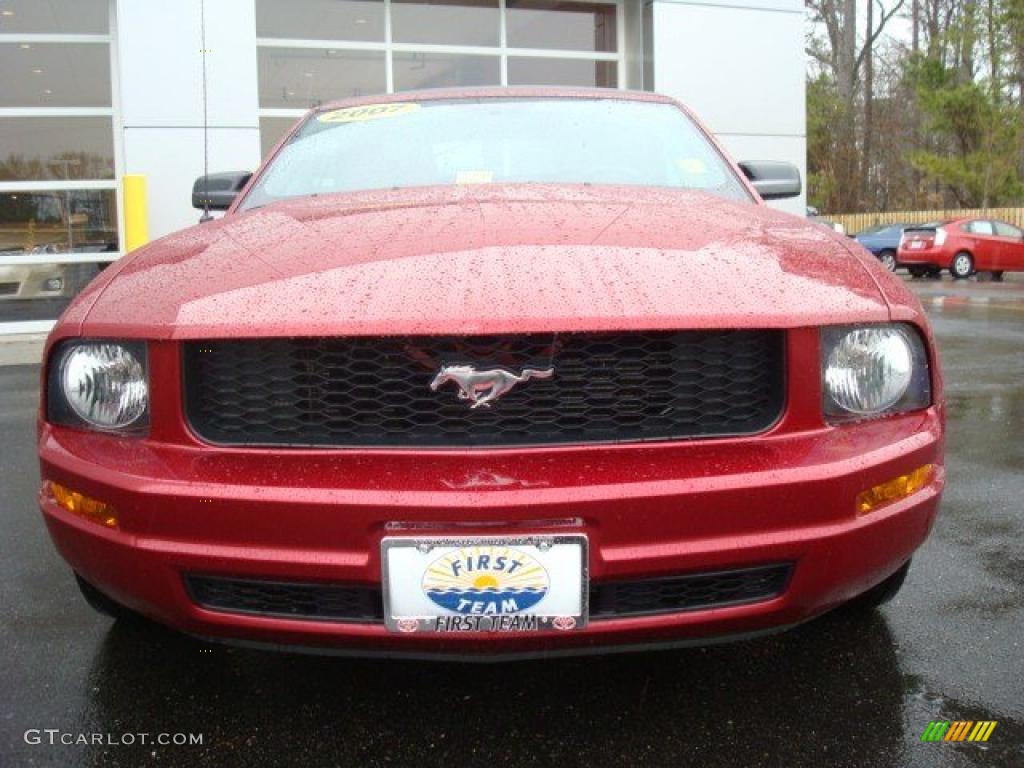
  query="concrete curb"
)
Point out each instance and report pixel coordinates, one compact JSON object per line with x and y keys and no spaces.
{"x":992,"y":302}
{"x":22,"y":349}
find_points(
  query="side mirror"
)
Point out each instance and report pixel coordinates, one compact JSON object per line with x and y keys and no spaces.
{"x":773,"y":180}
{"x":217,"y":191}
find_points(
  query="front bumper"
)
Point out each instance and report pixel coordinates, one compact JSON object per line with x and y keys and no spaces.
{"x":647,"y":510}
{"x":29,"y":281}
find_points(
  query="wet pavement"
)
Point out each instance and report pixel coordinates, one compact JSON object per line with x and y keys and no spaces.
{"x":840,"y":691}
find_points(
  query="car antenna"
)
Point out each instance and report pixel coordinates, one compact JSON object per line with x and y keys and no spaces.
{"x":206,"y":128}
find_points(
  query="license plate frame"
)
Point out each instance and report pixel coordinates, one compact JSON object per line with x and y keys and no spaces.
{"x":409,"y":611}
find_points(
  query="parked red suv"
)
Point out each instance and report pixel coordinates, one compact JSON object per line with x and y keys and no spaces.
{"x":963,"y":246}
{"x":492,"y":372}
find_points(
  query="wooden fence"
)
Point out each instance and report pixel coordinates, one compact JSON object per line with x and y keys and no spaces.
{"x":856,"y":222}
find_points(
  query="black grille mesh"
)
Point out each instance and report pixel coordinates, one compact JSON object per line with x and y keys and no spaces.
{"x":608,"y":600}
{"x":376,"y":391}
{"x":277,"y":598}
{"x":686,"y":593}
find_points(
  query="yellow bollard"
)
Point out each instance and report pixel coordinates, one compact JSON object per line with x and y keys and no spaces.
{"x":136,"y":211}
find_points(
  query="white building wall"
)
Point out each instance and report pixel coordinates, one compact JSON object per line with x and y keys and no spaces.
{"x":739,"y":64}
{"x":161,"y":97}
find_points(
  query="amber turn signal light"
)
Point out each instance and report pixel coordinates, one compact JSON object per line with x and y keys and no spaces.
{"x":83,"y":506}
{"x":894,"y":490}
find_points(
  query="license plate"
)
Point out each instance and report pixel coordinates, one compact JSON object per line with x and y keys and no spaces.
{"x":916,"y":244}
{"x":484,"y":584}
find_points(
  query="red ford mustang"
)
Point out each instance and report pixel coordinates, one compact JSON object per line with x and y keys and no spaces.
{"x":963,"y":246}
{"x":488,"y":373}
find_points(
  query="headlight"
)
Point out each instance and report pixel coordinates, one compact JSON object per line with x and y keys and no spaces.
{"x":99,"y":384}
{"x":873,"y":370}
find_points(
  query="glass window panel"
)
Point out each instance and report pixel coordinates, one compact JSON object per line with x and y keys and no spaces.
{"x":271,"y":131}
{"x":307,"y":77}
{"x":41,"y":291}
{"x":442,"y":70}
{"x":445,"y":22}
{"x":54,"y":75}
{"x":541,"y":71}
{"x":1006,"y":230}
{"x":65,"y":221}
{"x":45,"y":148}
{"x":360,"y":20}
{"x":90,"y":17}
{"x":566,"y":26}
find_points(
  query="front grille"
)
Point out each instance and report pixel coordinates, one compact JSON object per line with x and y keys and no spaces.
{"x":8,"y":289}
{"x":608,"y":600}
{"x":676,"y":594}
{"x":327,"y":602}
{"x":376,"y":391}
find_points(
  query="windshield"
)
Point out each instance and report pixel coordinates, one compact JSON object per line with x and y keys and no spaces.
{"x":500,"y":141}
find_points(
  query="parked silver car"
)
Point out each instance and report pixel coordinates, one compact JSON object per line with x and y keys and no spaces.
{"x":43,"y":281}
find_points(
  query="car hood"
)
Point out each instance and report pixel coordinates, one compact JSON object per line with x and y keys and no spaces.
{"x":487,"y":259}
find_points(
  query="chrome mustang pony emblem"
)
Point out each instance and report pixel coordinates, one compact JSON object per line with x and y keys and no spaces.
{"x":484,"y":387}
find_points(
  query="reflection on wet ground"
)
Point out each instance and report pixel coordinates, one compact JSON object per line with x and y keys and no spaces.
{"x":842,"y":690}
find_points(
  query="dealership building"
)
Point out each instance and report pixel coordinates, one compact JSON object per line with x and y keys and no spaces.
{"x":92,"y":90}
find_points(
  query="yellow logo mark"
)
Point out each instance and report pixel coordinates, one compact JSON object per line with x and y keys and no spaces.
{"x":366,"y":112}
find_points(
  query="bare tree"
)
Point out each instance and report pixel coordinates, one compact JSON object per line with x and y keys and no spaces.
{"x":848,"y":60}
